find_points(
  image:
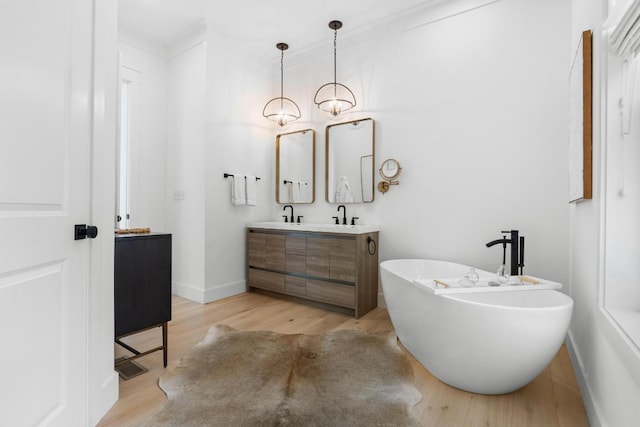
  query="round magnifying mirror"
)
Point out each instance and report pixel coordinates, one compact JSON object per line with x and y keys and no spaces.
{"x":390,"y":169}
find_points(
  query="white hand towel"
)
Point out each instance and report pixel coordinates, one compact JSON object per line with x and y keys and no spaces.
{"x":238,"y":190}
{"x":251,"y":190}
{"x":343,"y":191}
{"x":296,"y":192}
{"x":289,"y":185}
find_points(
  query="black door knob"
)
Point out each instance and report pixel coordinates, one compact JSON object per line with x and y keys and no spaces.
{"x":82,"y":231}
{"x":92,"y":231}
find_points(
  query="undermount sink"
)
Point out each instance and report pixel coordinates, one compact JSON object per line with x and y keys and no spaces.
{"x":315,"y":227}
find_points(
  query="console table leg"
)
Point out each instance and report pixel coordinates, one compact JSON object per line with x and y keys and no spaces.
{"x":164,"y":342}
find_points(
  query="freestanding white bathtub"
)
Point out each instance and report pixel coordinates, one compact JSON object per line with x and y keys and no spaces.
{"x":490,"y":340}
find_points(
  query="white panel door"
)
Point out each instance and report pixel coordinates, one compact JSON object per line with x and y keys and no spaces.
{"x":45,"y":147}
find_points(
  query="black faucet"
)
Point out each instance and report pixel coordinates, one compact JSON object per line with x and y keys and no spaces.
{"x":344,"y":213}
{"x":285,"y":208}
{"x":517,"y":247}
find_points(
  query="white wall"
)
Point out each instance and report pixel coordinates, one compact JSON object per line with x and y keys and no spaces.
{"x":185,"y":166}
{"x":148,"y":142}
{"x":168,"y":148}
{"x":610,"y":394}
{"x":199,"y":95}
{"x":237,"y":141}
{"x":474,"y":108}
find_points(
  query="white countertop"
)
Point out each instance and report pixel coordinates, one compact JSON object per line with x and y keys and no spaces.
{"x":315,"y":227}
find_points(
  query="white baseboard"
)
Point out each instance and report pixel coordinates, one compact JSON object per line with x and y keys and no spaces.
{"x":204,"y":296}
{"x":590,"y":405}
{"x":187,"y":291}
{"x":225,"y":291}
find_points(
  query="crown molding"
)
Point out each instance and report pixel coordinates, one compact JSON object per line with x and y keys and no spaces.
{"x":187,"y":39}
{"x":408,"y":20}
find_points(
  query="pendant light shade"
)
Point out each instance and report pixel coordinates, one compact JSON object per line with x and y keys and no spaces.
{"x":334,"y":98}
{"x":281,"y":110}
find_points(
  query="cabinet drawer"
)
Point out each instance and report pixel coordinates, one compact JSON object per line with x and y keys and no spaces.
{"x":342,"y":259}
{"x":296,"y":245}
{"x":333,"y":293}
{"x":266,"y":280}
{"x":256,"y":247}
{"x":265,"y":250}
{"x":295,"y":285}
{"x":296,"y":263}
{"x":318,"y":257}
{"x":274,"y":252}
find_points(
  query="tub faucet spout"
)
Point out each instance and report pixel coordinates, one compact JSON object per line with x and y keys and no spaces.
{"x":515,"y":243}
{"x":504,"y":241}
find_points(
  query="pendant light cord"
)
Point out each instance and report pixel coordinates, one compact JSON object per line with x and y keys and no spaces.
{"x":282,"y":79}
{"x":335,"y":79}
{"x":342,"y":98}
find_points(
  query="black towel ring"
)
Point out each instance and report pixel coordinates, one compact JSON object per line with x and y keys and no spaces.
{"x":375,"y":246}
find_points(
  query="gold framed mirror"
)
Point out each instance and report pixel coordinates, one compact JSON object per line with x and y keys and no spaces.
{"x":296,"y":167}
{"x":350,"y":160}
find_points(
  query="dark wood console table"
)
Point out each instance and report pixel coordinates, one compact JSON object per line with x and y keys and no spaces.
{"x":142,"y":288}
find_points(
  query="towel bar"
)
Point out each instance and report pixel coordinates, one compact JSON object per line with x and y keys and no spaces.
{"x":227,"y":175}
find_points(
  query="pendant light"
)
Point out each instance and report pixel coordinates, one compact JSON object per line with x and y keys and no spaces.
{"x":335,"y":97}
{"x":281,"y":110}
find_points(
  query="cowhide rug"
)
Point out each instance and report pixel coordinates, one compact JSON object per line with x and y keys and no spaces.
{"x":342,"y":378}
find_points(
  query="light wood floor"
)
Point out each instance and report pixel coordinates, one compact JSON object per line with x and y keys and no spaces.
{"x":553,"y":399}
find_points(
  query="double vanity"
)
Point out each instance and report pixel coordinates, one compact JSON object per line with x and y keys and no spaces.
{"x":326,"y":265}
{"x":331,"y":266}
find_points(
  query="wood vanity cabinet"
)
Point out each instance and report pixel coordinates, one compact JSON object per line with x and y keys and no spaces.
{"x":335,"y":271}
